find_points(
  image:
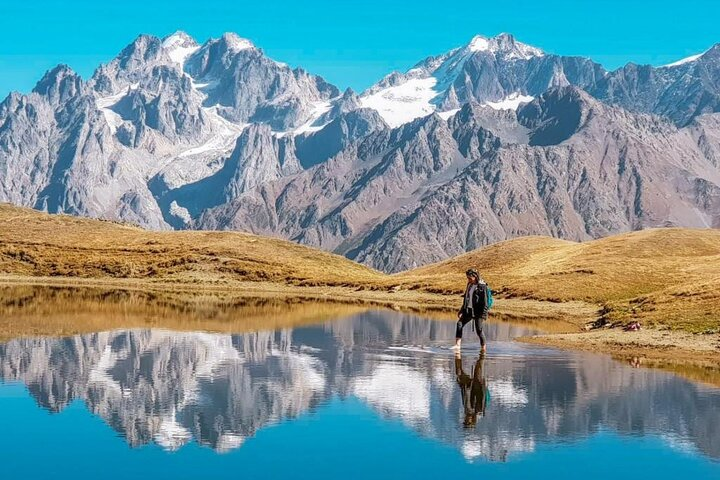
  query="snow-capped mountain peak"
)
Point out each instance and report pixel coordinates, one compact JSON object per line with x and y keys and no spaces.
{"x":179,"y":39}
{"x":179,"y":46}
{"x":236,"y":43}
{"x":503,"y":44}
{"x":479,"y":44}
{"x":433,"y":84}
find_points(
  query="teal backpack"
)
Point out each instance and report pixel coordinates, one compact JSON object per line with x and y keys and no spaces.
{"x":489,"y":296}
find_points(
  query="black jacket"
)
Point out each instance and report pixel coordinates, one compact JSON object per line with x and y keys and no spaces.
{"x":479,"y":306}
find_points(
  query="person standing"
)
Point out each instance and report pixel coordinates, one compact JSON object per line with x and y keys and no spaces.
{"x":474,"y":308}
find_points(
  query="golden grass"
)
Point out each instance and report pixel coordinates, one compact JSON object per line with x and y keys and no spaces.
{"x":666,"y":277}
{"x":36,"y":244}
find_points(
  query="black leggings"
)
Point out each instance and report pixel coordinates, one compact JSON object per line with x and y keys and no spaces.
{"x":464,"y":320}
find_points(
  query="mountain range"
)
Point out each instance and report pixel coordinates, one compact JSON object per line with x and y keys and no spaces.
{"x":492,"y":140}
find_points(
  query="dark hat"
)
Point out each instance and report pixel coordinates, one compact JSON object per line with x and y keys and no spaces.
{"x":472,"y":273}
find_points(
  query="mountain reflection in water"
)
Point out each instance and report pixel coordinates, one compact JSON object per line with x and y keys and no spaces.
{"x":170,"y":388}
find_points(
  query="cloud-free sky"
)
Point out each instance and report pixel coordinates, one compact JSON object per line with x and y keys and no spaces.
{"x":350,"y":43}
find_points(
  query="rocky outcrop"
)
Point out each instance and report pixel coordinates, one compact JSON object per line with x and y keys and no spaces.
{"x":338,"y":134}
{"x":249,"y":87}
{"x":680,"y":92}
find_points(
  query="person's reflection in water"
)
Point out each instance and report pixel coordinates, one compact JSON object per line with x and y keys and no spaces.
{"x":473,"y":390}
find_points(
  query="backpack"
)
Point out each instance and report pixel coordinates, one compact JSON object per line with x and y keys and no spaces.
{"x":489,"y":296}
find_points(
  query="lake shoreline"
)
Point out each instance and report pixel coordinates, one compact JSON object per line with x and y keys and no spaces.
{"x":692,"y":356}
{"x":561,"y":323}
{"x":648,"y":343}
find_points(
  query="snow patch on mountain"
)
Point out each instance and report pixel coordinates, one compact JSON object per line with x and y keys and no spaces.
{"x":111,"y":117}
{"x":403,"y":103}
{"x":206,"y":85}
{"x":105,"y":104}
{"x":448,"y":114}
{"x":180,"y":54}
{"x":433,"y":84}
{"x":181,"y":171}
{"x":223,"y":140}
{"x":479,"y":44}
{"x":525,"y":52}
{"x":505,"y":45}
{"x":511,"y":102}
{"x":237,"y":43}
{"x":179,"y":46}
{"x":180,"y":212}
{"x":689,"y":59}
{"x":318,"y":110}
{"x":216,"y":143}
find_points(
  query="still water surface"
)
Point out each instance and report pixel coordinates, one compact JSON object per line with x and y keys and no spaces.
{"x":376,"y":395}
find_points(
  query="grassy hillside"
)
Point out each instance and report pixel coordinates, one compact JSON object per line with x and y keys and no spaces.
{"x":37,"y":244}
{"x":668,"y":277}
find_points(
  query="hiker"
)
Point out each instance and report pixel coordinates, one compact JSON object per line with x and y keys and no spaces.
{"x":474,"y":308}
{"x":473,"y":390}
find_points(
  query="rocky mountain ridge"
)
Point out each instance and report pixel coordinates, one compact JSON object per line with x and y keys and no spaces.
{"x":489,"y":141}
{"x":564,"y":165}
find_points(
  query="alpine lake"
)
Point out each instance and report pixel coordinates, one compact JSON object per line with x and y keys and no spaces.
{"x":130,"y":385}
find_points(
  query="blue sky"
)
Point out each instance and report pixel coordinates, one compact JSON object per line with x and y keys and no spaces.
{"x":350,"y":43}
